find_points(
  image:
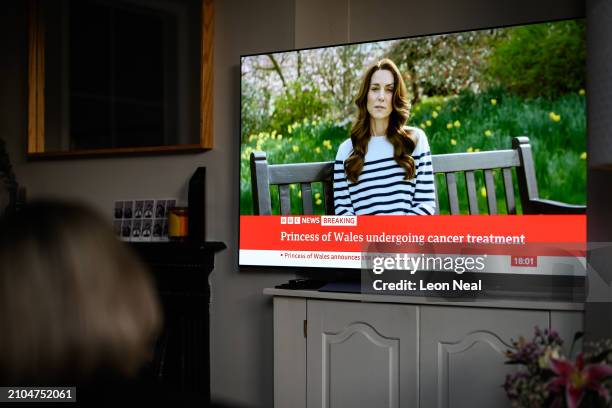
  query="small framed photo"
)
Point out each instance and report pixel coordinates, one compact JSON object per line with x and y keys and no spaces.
{"x":165,"y":230}
{"x":147,"y":230}
{"x":148,"y":209}
{"x":138,"y":208}
{"x":126,"y":230}
{"x":158,"y":229}
{"x":170,"y":204}
{"x":136,"y":230}
{"x":128,"y":208}
{"x":160,"y":208}
{"x":118,"y":213}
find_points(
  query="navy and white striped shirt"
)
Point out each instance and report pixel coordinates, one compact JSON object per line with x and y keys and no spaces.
{"x":381,"y":187}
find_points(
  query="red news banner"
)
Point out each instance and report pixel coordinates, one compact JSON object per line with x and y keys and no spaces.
{"x":453,"y":232}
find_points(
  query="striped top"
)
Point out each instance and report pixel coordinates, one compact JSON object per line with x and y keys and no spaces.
{"x":381,"y":188}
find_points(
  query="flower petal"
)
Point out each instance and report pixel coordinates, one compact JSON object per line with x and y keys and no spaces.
{"x":555,"y":385}
{"x":573,"y":396}
{"x":594,"y":372}
{"x":601,"y":390}
{"x":561,"y":367}
{"x":580,"y":362}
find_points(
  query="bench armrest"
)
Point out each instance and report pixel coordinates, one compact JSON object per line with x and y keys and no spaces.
{"x":541,"y":206}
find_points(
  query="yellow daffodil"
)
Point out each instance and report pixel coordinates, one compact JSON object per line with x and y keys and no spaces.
{"x":483,"y":191}
{"x":581,"y":92}
{"x":327,"y":144}
{"x":296,"y":148}
{"x":317,"y":149}
{"x":318,"y":202}
{"x":317,"y":196}
{"x":477,"y":150}
{"x":457,"y":124}
{"x":493,"y":102}
{"x":279,"y":136}
{"x":453,"y":142}
{"x":289,"y":129}
{"x":488,"y":133}
{"x":434,"y":114}
{"x":470,"y":149}
{"x":300,"y":193}
{"x":292,"y":186}
{"x":428,"y":122}
{"x":422,"y":125}
{"x":583,"y":155}
{"x":273,"y":134}
{"x":438,"y":108}
{"x":554,"y":117}
{"x":449,"y":125}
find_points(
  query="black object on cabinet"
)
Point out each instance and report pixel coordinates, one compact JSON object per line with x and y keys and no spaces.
{"x":196,"y":199}
{"x":181,"y":269}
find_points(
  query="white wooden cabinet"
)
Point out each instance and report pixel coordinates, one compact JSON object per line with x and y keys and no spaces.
{"x":334,"y":350}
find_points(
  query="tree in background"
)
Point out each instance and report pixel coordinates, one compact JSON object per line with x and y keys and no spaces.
{"x":550,"y":57}
{"x":444,"y":64}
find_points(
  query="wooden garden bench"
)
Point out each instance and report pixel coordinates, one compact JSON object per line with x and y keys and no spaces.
{"x":519,"y":157}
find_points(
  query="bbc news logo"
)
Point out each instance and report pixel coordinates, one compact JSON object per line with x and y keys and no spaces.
{"x":291,"y":220}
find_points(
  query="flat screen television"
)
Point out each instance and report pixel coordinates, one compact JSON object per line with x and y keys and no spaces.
{"x":454,"y":145}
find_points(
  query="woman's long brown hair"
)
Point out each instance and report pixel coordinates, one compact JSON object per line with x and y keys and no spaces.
{"x":361,"y":132}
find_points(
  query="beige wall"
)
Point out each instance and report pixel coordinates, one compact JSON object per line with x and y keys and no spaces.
{"x":241,"y":317}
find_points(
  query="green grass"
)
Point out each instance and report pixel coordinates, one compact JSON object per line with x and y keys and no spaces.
{"x":468,"y":122}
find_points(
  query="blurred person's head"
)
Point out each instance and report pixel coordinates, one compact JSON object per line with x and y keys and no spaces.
{"x":74,"y":300}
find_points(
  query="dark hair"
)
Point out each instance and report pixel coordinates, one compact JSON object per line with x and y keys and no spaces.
{"x":401,"y":138}
{"x":74,"y":300}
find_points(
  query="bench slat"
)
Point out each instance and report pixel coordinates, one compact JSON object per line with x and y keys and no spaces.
{"x":285,"y":200}
{"x":262,"y":205}
{"x":454,"y":162}
{"x":453,"y":198}
{"x":328,"y":193}
{"x":471,"y":191}
{"x":437,"y":201}
{"x":509,"y":190}
{"x":300,"y":173}
{"x":527,"y":182}
{"x":307,"y":199}
{"x":490,"y":187}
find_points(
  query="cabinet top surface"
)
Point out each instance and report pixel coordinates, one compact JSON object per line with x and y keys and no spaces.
{"x":432,"y":301}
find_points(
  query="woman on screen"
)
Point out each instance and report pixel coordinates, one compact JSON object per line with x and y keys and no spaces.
{"x":385,"y":167}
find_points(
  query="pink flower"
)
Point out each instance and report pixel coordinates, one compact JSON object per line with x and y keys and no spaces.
{"x":578,"y":379}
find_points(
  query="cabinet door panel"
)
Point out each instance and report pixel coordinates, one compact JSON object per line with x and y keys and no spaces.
{"x":462,"y":353}
{"x":289,"y":353}
{"x":361,"y":355}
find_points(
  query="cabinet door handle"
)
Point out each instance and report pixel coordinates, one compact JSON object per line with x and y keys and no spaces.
{"x":305,"y":328}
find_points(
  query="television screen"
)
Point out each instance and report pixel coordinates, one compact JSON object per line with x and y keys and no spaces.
{"x":417,"y":153}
